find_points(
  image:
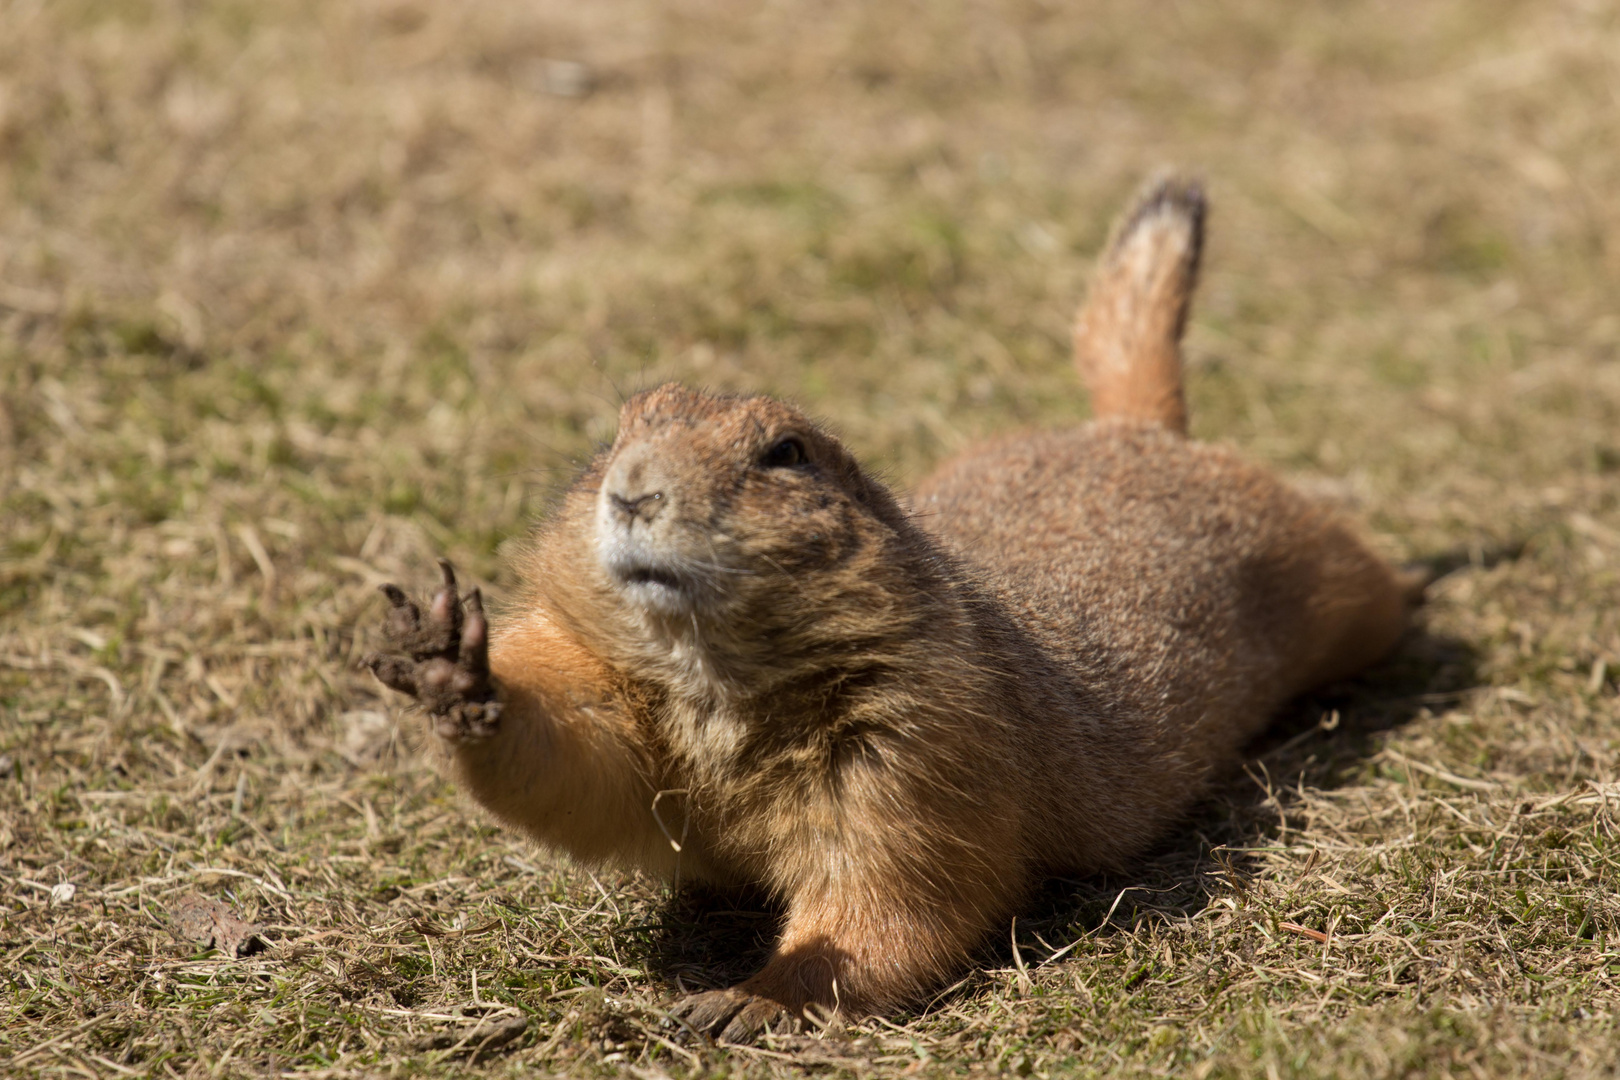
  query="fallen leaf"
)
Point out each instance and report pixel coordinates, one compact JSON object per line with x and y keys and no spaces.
{"x":210,"y":923}
{"x":1305,"y":931}
{"x":478,"y":1039}
{"x":427,"y":929}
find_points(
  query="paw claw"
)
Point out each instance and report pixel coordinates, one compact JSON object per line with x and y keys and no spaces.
{"x":475,"y":634}
{"x":394,"y":672}
{"x":445,"y":614}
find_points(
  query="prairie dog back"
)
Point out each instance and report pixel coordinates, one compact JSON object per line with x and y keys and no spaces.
{"x":739,"y":657}
{"x":1198,"y":588}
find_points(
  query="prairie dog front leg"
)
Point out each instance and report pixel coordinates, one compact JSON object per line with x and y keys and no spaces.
{"x":533,"y":725}
{"x":840,"y":955}
{"x":872,"y":919}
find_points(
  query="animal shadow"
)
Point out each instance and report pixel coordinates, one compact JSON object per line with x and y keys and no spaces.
{"x":1320,"y":741}
{"x":709,"y":938}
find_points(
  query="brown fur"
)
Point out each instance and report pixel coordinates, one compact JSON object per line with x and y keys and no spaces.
{"x":896,"y":720}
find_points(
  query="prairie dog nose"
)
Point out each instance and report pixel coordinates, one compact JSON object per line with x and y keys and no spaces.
{"x":636,"y":489}
{"x":645,"y":507}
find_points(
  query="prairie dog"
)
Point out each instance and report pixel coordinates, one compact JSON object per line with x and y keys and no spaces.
{"x":898,"y":717}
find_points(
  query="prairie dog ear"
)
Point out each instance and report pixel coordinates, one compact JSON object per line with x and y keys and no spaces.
{"x":1127,"y":338}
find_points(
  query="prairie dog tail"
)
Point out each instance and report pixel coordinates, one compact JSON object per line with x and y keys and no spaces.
{"x":1127,"y":338}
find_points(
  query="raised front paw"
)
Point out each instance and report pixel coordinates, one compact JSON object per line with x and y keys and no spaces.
{"x":441,"y":659}
{"x":729,"y":1015}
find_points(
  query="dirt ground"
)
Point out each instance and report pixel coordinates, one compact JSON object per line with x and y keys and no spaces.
{"x":296,"y":295}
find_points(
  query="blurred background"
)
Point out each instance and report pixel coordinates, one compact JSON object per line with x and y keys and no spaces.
{"x":297,"y":294}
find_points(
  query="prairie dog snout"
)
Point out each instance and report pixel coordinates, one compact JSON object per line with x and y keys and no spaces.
{"x":642,"y":540}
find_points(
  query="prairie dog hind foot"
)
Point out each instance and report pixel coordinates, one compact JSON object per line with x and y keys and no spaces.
{"x":733,"y":1015}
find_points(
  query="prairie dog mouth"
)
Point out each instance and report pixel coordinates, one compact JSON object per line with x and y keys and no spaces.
{"x":649,"y":575}
{"x":645,"y":584}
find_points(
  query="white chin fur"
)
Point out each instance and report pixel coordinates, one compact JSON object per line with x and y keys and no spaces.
{"x":642,"y":580}
{"x":655,"y":596}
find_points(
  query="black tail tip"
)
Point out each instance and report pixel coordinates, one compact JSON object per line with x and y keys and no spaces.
{"x":1167,"y":195}
{"x":1169,"y":191}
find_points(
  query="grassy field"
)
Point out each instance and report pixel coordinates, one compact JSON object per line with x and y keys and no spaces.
{"x":295,"y":296}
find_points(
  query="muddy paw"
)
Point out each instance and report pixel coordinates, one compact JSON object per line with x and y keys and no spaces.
{"x":441,"y":658}
{"x":729,"y":1015}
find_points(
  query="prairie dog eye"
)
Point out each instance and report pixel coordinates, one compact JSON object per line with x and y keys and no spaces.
{"x":785,"y":454}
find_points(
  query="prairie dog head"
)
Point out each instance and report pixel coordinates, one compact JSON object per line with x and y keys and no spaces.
{"x":736,"y":529}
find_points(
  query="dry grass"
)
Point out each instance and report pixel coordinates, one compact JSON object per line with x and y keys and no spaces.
{"x":295,"y":295}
